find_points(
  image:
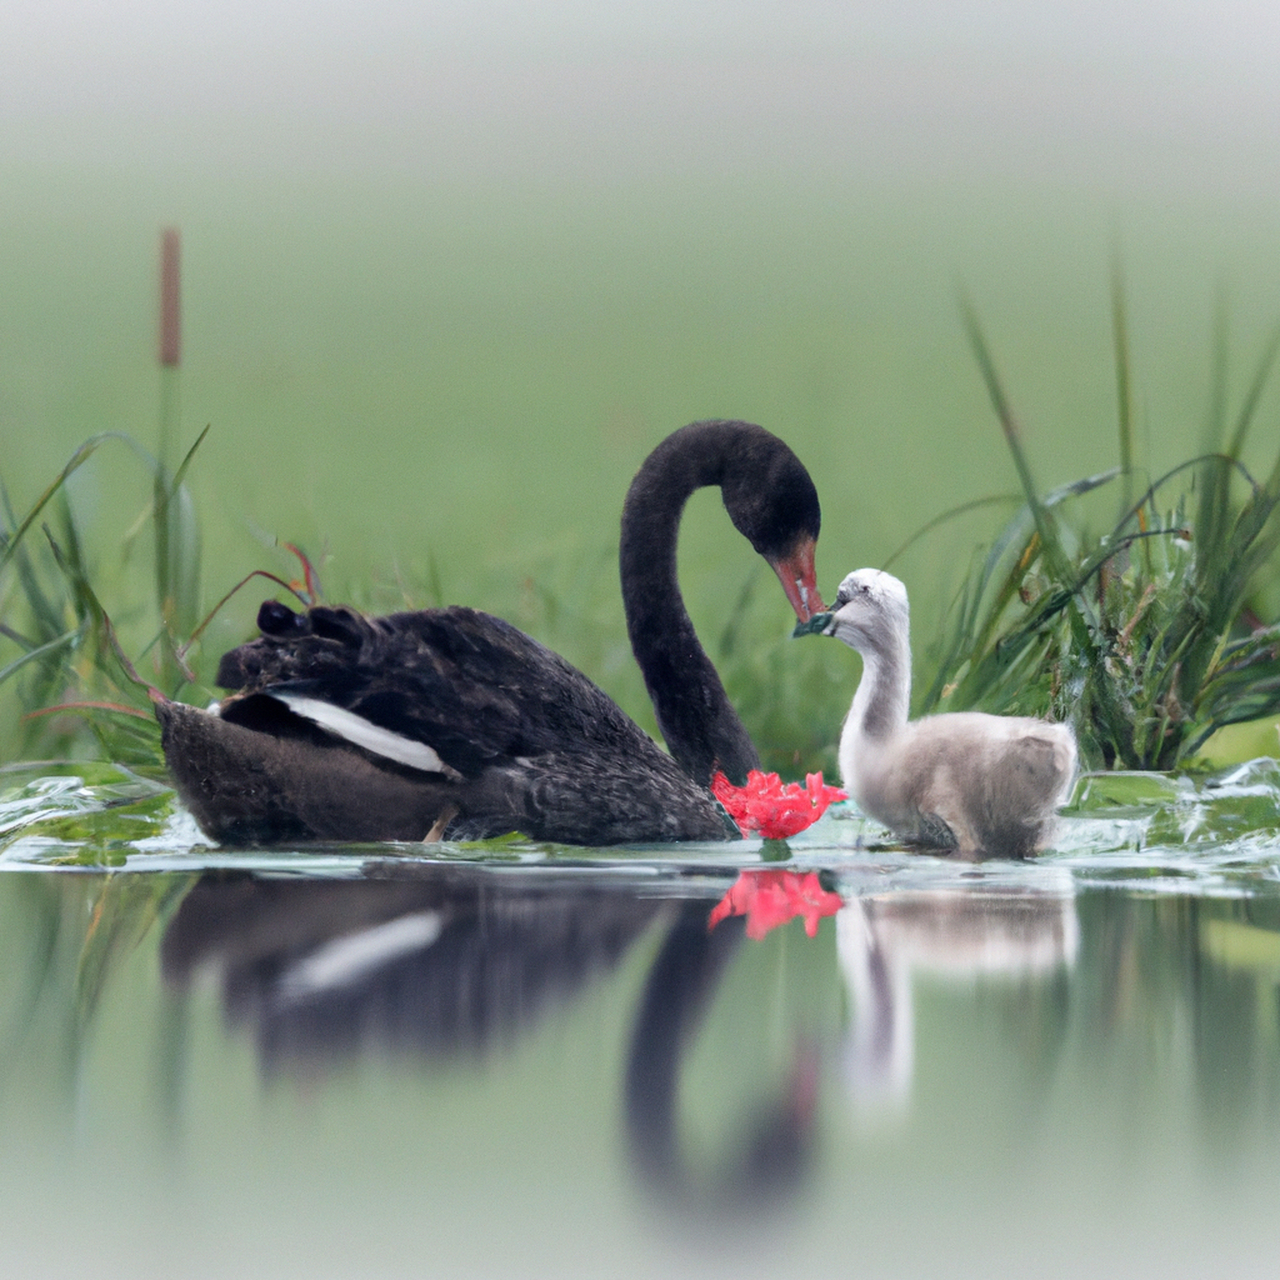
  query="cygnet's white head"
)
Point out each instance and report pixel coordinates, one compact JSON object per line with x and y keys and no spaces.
{"x":870,"y":611}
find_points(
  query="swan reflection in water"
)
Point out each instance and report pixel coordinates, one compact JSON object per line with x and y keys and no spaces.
{"x":886,"y":942}
{"x":437,"y":961}
{"x":445,"y":963}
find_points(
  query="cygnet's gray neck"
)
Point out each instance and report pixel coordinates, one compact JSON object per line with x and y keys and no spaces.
{"x":883,"y":699}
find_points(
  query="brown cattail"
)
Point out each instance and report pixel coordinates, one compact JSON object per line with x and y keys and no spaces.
{"x":170,"y":297}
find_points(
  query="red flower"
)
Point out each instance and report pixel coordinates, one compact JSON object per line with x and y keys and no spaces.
{"x":771,"y":898}
{"x":774,"y":810}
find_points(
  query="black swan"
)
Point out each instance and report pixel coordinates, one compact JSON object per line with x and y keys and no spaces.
{"x":982,"y":784}
{"x":452,"y":723}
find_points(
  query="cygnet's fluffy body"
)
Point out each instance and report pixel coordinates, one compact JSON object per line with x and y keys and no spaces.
{"x":985,"y":785}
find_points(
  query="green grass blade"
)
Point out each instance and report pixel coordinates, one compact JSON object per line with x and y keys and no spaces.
{"x":40,"y":653}
{"x":177,"y":559}
{"x":180,"y":475}
{"x":1124,"y":386}
{"x":995,"y":499}
{"x":733,"y":627}
{"x":1216,"y":424}
{"x":76,"y":461}
{"x":1052,"y":548}
{"x":1256,"y":387}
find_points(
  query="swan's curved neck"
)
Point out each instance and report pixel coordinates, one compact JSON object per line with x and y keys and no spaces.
{"x":701,"y":728}
{"x":883,"y":699}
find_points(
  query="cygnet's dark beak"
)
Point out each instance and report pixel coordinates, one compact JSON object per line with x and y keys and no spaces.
{"x":816,"y":626}
{"x":796,"y":573}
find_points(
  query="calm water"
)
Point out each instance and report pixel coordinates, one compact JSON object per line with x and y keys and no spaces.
{"x":530,"y":1061}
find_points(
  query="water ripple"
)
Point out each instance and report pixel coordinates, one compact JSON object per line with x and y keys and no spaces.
{"x":1142,"y":832}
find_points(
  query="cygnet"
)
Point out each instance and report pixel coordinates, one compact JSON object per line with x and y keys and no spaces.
{"x":984,"y":785}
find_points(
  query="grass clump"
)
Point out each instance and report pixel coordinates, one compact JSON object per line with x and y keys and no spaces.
{"x":64,"y":652}
{"x":1147,"y":637}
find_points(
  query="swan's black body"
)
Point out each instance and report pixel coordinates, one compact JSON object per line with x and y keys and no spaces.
{"x":520,"y":739}
{"x":527,"y":741}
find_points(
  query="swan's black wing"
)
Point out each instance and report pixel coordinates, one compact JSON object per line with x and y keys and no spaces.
{"x":471,"y":686}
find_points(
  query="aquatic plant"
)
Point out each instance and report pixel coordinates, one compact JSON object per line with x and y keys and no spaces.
{"x":1148,"y":637}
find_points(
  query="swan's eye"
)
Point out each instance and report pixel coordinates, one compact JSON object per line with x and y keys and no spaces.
{"x":849,"y":591}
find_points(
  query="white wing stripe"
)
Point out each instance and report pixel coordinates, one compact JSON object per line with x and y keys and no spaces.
{"x":363,"y":733}
{"x":344,"y":961}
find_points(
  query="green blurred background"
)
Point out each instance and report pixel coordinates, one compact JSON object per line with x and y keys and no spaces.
{"x":451,"y":271}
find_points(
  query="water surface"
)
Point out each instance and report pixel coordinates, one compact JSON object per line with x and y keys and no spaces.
{"x":528,"y":1060}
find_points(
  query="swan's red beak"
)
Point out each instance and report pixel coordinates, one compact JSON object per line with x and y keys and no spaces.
{"x":795,"y":572}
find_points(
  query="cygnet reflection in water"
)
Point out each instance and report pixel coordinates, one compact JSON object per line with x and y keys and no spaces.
{"x":987,"y":786}
{"x":887,"y":940}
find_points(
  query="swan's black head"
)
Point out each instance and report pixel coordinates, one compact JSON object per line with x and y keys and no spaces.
{"x":772,"y":501}
{"x":767,"y":492}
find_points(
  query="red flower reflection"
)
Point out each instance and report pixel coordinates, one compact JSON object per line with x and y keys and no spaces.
{"x":771,"y":898}
{"x":773,"y":809}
